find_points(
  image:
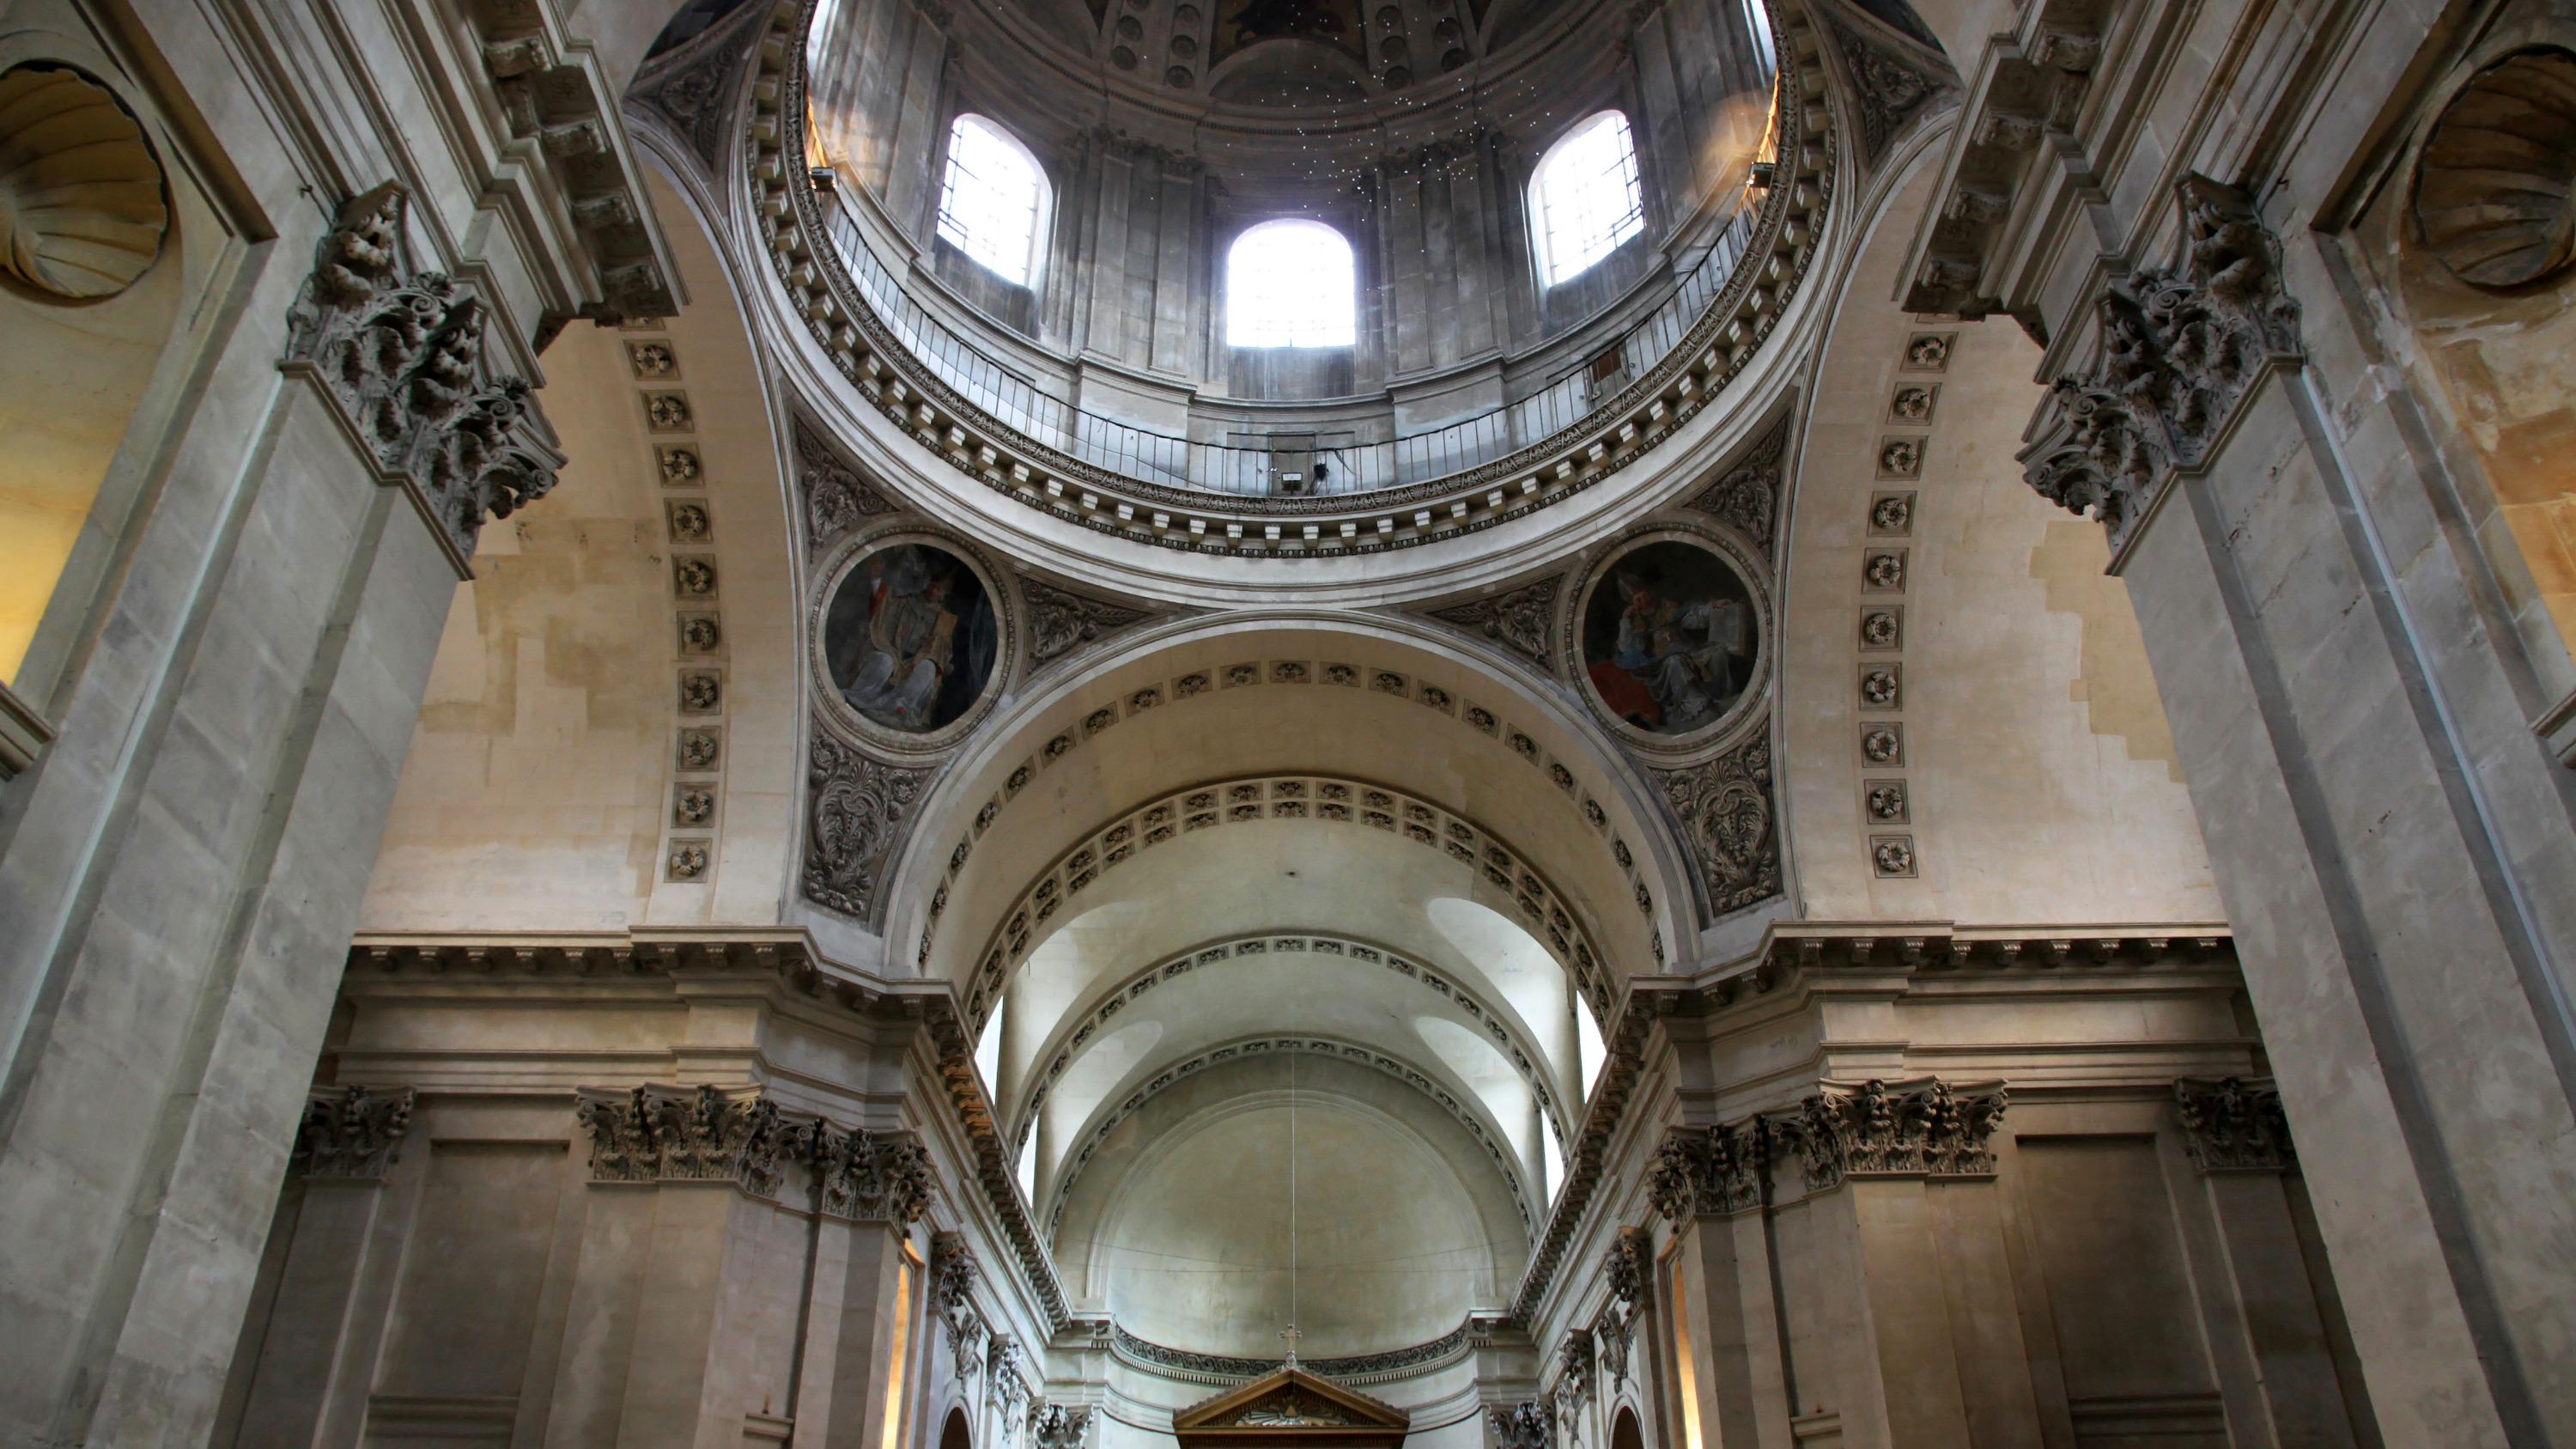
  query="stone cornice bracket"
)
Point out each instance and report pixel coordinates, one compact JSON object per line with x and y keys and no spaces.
{"x":2176,"y":351}
{"x":657,"y":1133}
{"x":351,"y":1132}
{"x":1058,"y":1426}
{"x":550,"y":95}
{"x":2234,"y":1124}
{"x":1914,"y":1130}
{"x":400,"y":354}
{"x":2029,"y":98}
{"x":992,"y":1158}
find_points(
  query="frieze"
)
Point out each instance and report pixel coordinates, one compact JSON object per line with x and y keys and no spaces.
{"x":351,"y":1132}
{"x":400,"y":352}
{"x":2178,"y":348}
{"x":2234,"y":1124}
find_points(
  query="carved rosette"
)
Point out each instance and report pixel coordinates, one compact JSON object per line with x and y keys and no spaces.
{"x":1517,"y":620}
{"x":860,"y":809}
{"x":2234,"y":1125}
{"x":656,"y":1133}
{"x":401,"y":353}
{"x":1710,"y":1171}
{"x":1724,"y":806}
{"x":1061,"y":621}
{"x":1869,"y":1131}
{"x":351,"y":1132}
{"x":2178,"y":348}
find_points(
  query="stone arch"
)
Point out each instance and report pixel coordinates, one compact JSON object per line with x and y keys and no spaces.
{"x":1935,"y":610}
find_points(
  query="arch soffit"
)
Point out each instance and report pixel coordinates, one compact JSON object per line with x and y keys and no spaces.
{"x":1113,"y":1113}
{"x":1596,"y":828}
{"x":1067,"y":1040}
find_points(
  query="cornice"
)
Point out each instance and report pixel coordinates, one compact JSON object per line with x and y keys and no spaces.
{"x":1611,"y":438}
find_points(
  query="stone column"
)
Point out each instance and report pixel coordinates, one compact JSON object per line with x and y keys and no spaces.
{"x":874,"y":1187}
{"x":314,"y":1353}
{"x":1871,"y":1156}
{"x":1713,"y":1184}
{"x":2239,"y":1143}
{"x":2392,"y":838}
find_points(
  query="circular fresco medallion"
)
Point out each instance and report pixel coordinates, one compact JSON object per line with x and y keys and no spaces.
{"x":910,"y":637}
{"x":1671,"y":638}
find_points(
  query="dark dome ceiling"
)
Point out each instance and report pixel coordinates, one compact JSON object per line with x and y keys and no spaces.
{"x":1273,"y":53}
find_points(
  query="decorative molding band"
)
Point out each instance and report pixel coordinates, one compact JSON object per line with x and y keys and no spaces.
{"x":656,"y":1133}
{"x":984,"y":448}
{"x":1186,"y":688}
{"x":400,"y":354}
{"x":1547,"y":912}
{"x":351,"y":1132}
{"x":1217,"y":1368}
{"x":2178,"y":349}
{"x":1396,"y":1067}
{"x":2234,"y":1124}
{"x":1266,"y":949}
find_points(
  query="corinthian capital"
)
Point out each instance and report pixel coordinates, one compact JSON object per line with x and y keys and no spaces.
{"x":1868,"y":1130}
{"x":1701,"y":1172}
{"x":2234,"y":1124}
{"x":352,"y":1132}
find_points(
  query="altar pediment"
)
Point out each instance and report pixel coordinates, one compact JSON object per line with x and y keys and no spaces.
{"x":1290,"y":1404}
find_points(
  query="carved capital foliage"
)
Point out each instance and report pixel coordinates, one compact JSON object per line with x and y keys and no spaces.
{"x":351,"y":1132}
{"x":837,"y":499}
{"x":1523,"y":1426}
{"x":1725,"y":809}
{"x":1624,"y":1266}
{"x":2234,"y":1125}
{"x":1517,"y":619}
{"x":1574,"y":1366}
{"x":401,"y":353}
{"x":1061,"y":620}
{"x":861,"y":809}
{"x":657,"y":1133}
{"x":1058,"y":1426}
{"x":2178,"y":348}
{"x":1709,"y":1171}
{"x":1870,"y":1131}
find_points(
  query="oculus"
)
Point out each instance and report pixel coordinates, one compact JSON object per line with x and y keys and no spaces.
{"x":2495,"y":191}
{"x":1670,"y":637}
{"x":910,"y":637}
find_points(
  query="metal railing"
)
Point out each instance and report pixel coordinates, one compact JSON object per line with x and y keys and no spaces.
{"x":1019,"y":403}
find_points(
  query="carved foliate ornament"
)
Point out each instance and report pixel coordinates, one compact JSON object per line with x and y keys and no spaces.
{"x":1710,"y":1171}
{"x":837,"y":499}
{"x":1746,"y":497}
{"x":401,"y":353}
{"x":1061,"y":620}
{"x":2178,"y":349}
{"x":694,"y":83}
{"x":1869,"y":1131}
{"x":1725,"y":809}
{"x":1517,"y":619}
{"x":872,"y":1177}
{"x":1894,"y":78}
{"x":860,"y":809}
{"x":2234,"y":1125}
{"x":1528,"y":1425}
{"x":1058,"y":1426}
{"x":1574,"y":1366}
{"x":351,"y":1132}
{"x":1624,"y":1266}
{"x":703,"y":1133}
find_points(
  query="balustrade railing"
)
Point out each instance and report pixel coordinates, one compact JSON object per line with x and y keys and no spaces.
{"x":1147,"y":456}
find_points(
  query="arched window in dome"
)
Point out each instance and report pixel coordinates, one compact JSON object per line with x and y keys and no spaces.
{"x":1584,"y":201}
{"x":993,"y":204}
{"x":1291,"y":284}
